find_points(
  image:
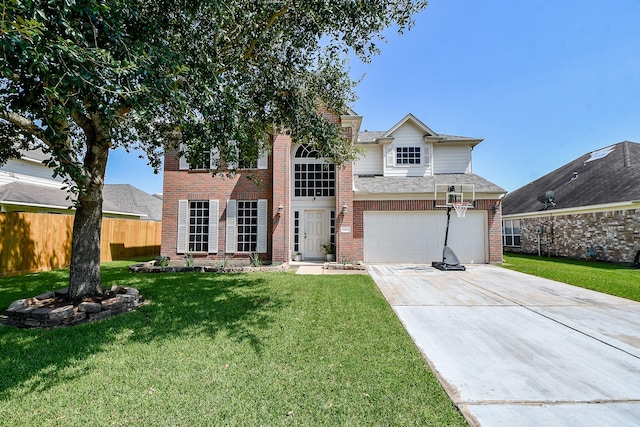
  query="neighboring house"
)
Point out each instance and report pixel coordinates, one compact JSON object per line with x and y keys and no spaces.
{"x":384,"y":207}
{"x":586,"y":209}
{"x":27,"y":185}
{"x":135,"y":199}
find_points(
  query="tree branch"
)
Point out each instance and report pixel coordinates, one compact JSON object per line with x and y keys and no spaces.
{"x":25,"y":124}
{"x":270,"y":23}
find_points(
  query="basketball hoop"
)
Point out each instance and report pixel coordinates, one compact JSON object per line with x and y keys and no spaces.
{"x":461,"y":208}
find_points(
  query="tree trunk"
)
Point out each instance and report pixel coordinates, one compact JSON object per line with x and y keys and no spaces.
{"x":84,"y":274}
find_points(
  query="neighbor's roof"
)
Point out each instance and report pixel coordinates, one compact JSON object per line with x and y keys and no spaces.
{"x":134,"y":198}
{"x":608,"y":175}
{"x":20,"y":193}
{"x":420,"y":184}
{"x":35,"y":154}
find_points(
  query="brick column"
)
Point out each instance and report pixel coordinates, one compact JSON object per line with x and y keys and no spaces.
{"x":494,"y":219}
{"x":281,"y":234}
{"x":344,"y":221}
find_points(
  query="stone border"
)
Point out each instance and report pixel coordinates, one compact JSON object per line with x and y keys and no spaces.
{"x":340,"y":266}
{"x":37,"y":312}
{"x":151,"y":267}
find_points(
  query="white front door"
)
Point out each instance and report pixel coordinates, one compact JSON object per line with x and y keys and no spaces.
{"x":315,"y":233}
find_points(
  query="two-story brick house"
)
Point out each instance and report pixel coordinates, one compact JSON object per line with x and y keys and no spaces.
{"x":384,"y":207}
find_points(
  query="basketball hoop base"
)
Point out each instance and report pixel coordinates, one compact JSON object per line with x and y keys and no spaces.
{"x":442,"y":266}
{"x":450,"y":261}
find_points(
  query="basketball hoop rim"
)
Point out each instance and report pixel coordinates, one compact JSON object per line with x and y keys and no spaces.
{"x":461,"y":208}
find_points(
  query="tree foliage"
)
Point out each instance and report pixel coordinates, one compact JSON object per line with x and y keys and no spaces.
{"x":81,"y":77}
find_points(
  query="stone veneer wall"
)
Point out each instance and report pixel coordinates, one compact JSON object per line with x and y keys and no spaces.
{"x":612,"y":236}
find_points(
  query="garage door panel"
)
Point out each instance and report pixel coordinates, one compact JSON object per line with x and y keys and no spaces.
{"x":418,"y":237}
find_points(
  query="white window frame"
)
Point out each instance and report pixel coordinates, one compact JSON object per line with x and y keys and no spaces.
{"x":262,"y":162}
{"x":392,"y":156}
{"x":214,"y":158}
{"x":406,"y":149}
{"x":509,"y":233}
{"x":183,"y":227}
{"x":231,"y":245}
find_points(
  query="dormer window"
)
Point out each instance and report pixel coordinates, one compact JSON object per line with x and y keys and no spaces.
{"x":408,"y":156}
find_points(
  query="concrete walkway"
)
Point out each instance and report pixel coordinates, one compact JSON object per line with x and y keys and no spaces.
{"x":516,"y":350}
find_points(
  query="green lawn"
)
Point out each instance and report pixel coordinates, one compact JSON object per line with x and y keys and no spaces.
{"x":210,"y":349}
{"x":612,"y":279}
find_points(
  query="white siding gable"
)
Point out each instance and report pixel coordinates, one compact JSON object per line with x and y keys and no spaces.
{"x":407,"y":136}
{"x":371,"y":162}
{"x":452,"y":159}
{"x":28,"y":172}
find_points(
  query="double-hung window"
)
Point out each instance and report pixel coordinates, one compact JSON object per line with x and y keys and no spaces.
{"x":246,"y":226}
{"x":197,"y":226}
{"x":408,"y":156}
{"x":247,"y":217}
{"x":207,"y":160}
{"x":511,"y":232}
{"x":244,"y":161}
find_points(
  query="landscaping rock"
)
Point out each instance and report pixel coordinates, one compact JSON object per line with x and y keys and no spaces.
{"x":90,"y":307}
{"x":62,"y":293}
{"x":112,"y":304}
{"x":54,"y":311}
{"x":99,"y":316}
{"x":61,"y":313}
{"x":41,"y":313}
{"x":45,"y":295}
{"x":21,"y":303}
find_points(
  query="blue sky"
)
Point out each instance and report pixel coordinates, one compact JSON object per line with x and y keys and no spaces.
{"x":541,"y":82}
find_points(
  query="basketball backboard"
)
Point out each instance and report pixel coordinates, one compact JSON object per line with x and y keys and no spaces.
{"x":445,"y":195}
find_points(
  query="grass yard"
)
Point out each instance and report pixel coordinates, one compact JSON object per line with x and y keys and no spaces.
{"x":212,"y":349}
{"x":612,"y":279}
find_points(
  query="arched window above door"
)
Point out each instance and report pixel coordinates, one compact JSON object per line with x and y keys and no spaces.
{"x":306,"y":152}
{"x":313,"y":176}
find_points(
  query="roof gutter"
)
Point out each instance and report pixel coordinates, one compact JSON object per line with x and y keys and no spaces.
{"x":580,"y":209}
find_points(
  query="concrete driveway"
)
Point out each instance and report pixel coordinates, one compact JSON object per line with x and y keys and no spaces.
{"x":516,"y":350}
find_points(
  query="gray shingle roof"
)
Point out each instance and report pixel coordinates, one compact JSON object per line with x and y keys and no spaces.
{"x":42,"y":195}
{"x":369,"y":136}
{"x":608,"y":175}
{"x":134,"y":198}
{"x":420,"y":184}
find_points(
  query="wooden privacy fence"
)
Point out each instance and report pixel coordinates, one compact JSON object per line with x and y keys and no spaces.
{"x":32,"y":242}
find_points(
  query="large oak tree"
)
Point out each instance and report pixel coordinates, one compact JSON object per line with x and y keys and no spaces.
{"x":79,"y":78}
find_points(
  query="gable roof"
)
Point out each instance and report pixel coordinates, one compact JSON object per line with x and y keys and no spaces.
{"x":605,"y":176}
{"x":134,"y":198}
{"x":375,"y":137}
{"x":410,"y":118}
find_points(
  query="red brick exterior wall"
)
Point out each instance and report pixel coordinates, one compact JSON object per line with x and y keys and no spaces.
{"x":201,"y":185}
{"x":494,"y":225}
{"x":281,"y":197}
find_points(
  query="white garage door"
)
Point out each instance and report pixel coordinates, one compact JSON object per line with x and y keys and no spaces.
{"x":418,"y":237}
